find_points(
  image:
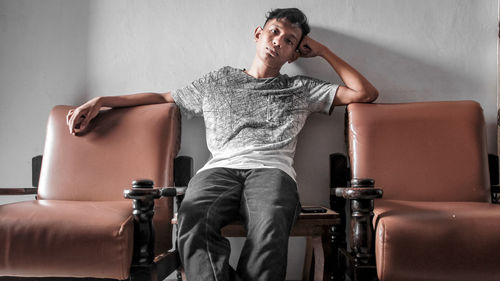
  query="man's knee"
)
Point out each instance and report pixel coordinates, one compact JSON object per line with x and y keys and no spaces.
{"x":274,"y":223}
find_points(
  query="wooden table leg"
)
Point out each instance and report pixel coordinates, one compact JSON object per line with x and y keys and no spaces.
{"x":314,"y":248}
{"x":306,"y":272}
{"x":319,"y":258}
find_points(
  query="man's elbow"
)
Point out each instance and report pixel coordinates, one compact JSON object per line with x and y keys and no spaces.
{"x":367,"y":95}
{"x":346,"y":95}
{"x":373,"y":95}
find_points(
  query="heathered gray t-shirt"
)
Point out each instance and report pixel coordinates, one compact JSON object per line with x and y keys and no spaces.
{"x":253,"y":123}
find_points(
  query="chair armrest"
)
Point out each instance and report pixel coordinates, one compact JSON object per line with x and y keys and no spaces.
{"x":361,"y":198}
{"x":173,"y":191}
{"x":155,"y":193}
{"x":360,"y":189}
{"x":358,"y":192}
{"x":143,"y":195}
{"x":18,"y":191}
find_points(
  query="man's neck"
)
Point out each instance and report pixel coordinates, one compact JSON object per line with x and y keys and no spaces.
{"x":260,"y":70}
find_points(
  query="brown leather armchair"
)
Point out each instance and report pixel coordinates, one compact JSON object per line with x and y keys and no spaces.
{"x":436,"y":220}
{"x":81,"y":225}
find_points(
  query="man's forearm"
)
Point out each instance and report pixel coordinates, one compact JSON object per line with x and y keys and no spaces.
{"x":350,"y":76}
{"x":357,"y":88}
{"x":134,"y":99}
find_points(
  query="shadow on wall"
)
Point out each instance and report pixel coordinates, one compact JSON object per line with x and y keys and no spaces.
{"x":193,"y":142}
{"x":43,"y":53}
{"x":399,"y":77}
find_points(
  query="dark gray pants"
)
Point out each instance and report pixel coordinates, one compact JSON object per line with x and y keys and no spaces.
{"x":267,"y":202}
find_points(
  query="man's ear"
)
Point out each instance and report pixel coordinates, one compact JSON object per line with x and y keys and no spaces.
{"x":295,"y":56}
{"x":257,"y":33}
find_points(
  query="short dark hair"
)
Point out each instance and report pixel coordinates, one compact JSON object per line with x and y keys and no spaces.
{"x":293,"y":15}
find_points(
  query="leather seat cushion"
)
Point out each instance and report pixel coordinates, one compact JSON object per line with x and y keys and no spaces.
{"x":42,"y":238}
{"x":437,"y":240}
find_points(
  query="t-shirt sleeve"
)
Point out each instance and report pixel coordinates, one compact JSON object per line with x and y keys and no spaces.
{"x":190,"y":98}
{"x":320,"y":94}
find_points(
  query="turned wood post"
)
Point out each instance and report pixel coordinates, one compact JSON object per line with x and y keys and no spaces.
{"x":144,"y":239}
{"x":362,"y":231}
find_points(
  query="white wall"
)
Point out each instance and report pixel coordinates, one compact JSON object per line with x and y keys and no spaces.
{"x":43,"y":62}
{"x":65,"y":52}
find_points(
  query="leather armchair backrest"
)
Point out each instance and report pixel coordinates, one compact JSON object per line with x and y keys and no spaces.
{"x":428,"y":151}
{"x":119,"y":145}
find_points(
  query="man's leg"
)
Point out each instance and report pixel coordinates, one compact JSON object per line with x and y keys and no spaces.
{"x":212,"y":200}
{"x":269,"y":207}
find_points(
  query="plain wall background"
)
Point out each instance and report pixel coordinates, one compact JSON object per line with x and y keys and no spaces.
{"x":66,"y":52}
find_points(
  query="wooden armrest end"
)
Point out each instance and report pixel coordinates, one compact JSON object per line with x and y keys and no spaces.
{"x":358,"y":192}
{"x":18,"y":191}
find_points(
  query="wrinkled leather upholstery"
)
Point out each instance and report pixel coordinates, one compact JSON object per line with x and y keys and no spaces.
{"x":81,"y":225}
{"x":418,"y":240}
{"x":66,"y":238}
{"x":435,"y":221}
{"x":431,"y":151}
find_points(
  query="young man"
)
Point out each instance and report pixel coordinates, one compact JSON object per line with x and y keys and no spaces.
{"x":252,"y":120}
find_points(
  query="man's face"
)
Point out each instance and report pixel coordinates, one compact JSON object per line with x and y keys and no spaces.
{"x":277,"y":42}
